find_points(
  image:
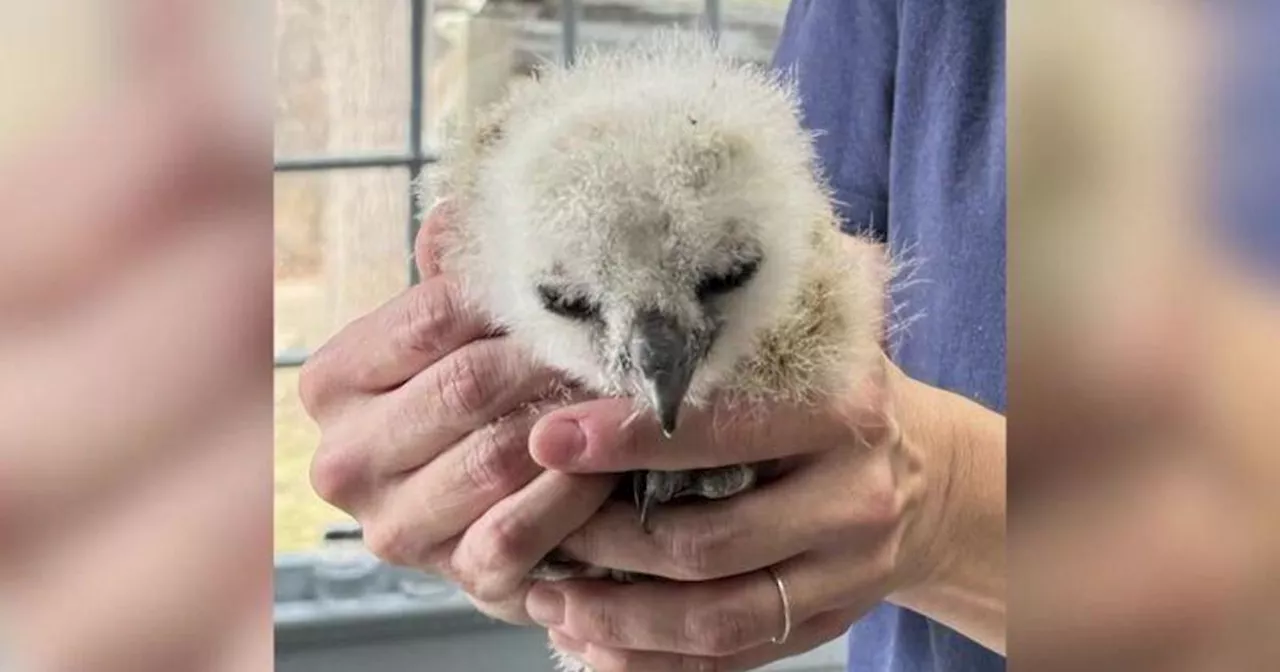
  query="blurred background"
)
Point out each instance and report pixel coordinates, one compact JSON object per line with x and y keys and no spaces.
{"x":135,"y":335}
{"x":135,"y":221}
{"x":1144,"y":321}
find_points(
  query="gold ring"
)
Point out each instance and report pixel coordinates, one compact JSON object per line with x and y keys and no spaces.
{"x":786,"y":607}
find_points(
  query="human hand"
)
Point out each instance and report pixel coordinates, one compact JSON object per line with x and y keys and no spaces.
{"x":853,"y":517}
{"x":425,"y":417}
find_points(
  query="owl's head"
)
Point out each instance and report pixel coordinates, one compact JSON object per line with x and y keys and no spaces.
{"x":644,"y":230}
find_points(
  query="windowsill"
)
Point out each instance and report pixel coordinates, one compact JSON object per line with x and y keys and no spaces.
{"x":388,"y":630}
{"x":383,"y":612}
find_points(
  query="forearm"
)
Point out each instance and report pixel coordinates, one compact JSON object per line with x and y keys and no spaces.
{"x":964,"y":445}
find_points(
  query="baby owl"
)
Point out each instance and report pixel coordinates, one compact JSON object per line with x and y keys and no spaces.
{"x":652,"y":223}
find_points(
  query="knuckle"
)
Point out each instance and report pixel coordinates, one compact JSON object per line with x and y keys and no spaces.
{"x":468,"y":581}
{"x":883,"y":503}
{"x":434,"y":308}
{"x":486,"y":587}
{"x":585,"y":543}
{"x":499,"y":459}
{"x":694,"y":549}
{"x":603,"y":626}
{"x":828,"y":625}
{"x":500,"y":610}
{"x":719,"y":631}
{"x":465,"y":382}
{"x":506,"y":545}
{"x":493,"y":570}
{"x":687,"y":552}
{"x":315,"y":382}
{"x":338,"y":473}
{"x":392,"y":543}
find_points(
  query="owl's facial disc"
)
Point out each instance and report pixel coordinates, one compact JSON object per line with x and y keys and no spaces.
{"x":655,"y":334}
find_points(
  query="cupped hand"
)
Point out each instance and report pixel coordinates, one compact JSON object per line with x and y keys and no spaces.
{"x":425,"y":415}
{"x":850,"y":519}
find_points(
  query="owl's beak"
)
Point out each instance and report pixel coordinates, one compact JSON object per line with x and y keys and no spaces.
{"x":667,"y":355}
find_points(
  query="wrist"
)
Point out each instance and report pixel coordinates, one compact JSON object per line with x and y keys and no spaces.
{"x":953,"y":564}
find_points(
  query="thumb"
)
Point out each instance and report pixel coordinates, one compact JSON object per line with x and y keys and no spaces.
{"x":612,"y":436}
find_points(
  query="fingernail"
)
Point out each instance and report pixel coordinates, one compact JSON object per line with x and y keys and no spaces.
{"x":545,"y":605}
{"x":561,"y":443}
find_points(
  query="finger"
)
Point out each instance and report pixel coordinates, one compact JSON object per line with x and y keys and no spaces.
{"x":497,"y":552}
{"x":460,"y":399}
{"x":387,"y":347}
{"x":428,"y":246}
{"x":508,"y":609}
{"x":602,"y":436}
{"x":759,"y":528}
{"x":436,"y":503}
{"x":466,"y":390}
{"x":711,"y":618}
{"x":810,"y":635}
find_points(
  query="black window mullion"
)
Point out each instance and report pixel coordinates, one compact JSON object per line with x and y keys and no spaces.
{"x":419,"y":11}
{"x":713,"y":18}
{"x":570,"y":21}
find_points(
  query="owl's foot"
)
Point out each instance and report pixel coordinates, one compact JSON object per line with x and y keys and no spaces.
{"x":722,"y":482}
{"x":557,"y":566}
{"x":651,"y":488}
{"x":659,"y":487}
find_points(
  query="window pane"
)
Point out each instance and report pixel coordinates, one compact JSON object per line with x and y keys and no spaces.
{"x":751,"y":28}
{"x":469,"y":61}
{"x":341,"y":249}
{"x":472,"y":57}
{"x":342,"y":76}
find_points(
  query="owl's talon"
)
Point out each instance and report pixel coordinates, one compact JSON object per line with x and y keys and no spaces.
{"x":557,"y":566}
{"x":644,"y":507}
{"x":722,"y":482}
{"x":637,"y":488}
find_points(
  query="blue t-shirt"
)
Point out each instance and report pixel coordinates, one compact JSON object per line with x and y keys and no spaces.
{"x":909,"y":100}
